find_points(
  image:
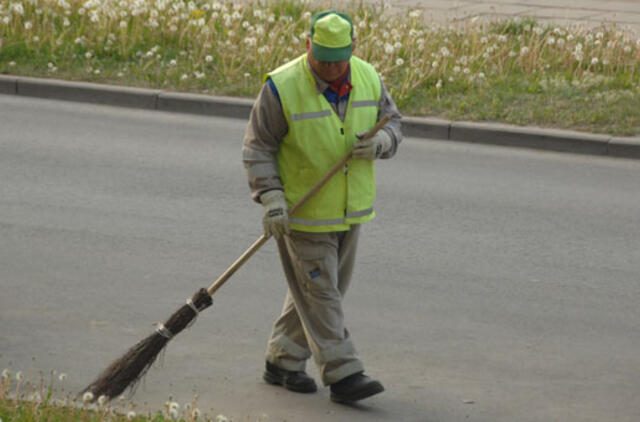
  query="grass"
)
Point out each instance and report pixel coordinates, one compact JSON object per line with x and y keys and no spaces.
{"x":516,"y":71}
{"x":47,"y":401}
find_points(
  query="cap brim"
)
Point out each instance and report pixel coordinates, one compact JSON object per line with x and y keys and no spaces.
{"x":326,"y":54}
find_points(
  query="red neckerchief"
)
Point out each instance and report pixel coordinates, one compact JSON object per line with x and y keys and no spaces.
{"x":342,"y":86}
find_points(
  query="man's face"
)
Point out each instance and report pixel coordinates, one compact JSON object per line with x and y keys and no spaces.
{"x":328,"y":71}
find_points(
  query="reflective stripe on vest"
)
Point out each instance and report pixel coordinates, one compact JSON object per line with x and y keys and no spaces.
{"x":317,"y":139}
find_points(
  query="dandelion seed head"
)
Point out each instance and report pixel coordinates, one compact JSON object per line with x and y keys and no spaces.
{"x":399,"y":62}
{"x":594,"y":61}
{"x":6,"y":374}
{"x":456,"y":69}
{"x":524,"y":51}
{"x":388,"y":48}
{"x":19,"y":376}
{"x":87,"y":397}
{"x":439,"y":84}
{"x":551,"y":40}
{"x":484,"y":40}
{"x":222,"y":418}
{"x":28,"y":25}
{"x":195,"y":413}
{"x":102,"y":399}
{"x":173,"y":412}
{"x":131,"y":414}
{"x":208,"y":59}
{"x":184,"y":77}
{"x":435,"y":63}
{"x":627,"y":49}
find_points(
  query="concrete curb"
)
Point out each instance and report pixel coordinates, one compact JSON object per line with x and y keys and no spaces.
{"x":420,"y":127}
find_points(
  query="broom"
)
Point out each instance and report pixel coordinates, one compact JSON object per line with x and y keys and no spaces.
{"x":132,"y":366}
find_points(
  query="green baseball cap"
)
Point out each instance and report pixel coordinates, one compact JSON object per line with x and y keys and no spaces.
{"x":331,"y":36}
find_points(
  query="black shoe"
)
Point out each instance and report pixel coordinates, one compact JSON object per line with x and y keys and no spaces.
{"x":355,"y":387}
{"x":297,"y":381}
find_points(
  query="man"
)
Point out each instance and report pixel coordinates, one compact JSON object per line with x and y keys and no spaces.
{"x":309,"y":114}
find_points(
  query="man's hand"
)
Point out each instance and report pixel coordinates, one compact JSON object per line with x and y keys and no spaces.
{"x":275,"y":219}
{"x":372,"y":148}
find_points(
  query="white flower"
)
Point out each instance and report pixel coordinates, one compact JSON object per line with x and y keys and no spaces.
{"x":439,"y":84}
{"x":198,"y":75}
{"x":221,"y":418}
{"x":6,"y":20}
{"x":173,"y":62}
{"x":184,"y":77}
{"x":131,"y":414}
{"x":481,"y":75}
{"x":49,"y":65}
{"x":594,"y":61}
{"x":97,"y":72}
{"x":87,"y":397}
{"x":28,"y":25}
{"x":399,"y":62}
{"x":208,"y":59}
{"x":11,"y":64}
{"x":248,"y":75}
{"x":88,"y":54}
{"x":19,"y":376}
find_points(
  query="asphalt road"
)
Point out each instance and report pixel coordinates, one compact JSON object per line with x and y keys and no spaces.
{"x":495,"y":284}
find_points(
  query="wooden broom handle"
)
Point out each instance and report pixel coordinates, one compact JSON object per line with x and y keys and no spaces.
{"x":263,"y":239}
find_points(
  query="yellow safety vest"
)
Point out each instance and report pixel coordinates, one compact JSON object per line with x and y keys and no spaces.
{"x":317,"y":139}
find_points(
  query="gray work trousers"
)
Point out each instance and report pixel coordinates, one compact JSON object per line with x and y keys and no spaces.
{"x":318,"y":268}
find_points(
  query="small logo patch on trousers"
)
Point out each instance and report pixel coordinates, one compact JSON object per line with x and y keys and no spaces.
{"x":315,"y":273}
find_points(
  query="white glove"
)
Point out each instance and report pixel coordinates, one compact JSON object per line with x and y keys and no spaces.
{"x":372,"y":148}
{"x":275,"y":219}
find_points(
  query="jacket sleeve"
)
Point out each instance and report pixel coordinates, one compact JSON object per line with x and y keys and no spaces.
{"x":388,"y":106}
{"x":265,"y":131}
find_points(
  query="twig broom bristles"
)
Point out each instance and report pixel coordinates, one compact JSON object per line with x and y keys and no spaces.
{"x":130,"y":368}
